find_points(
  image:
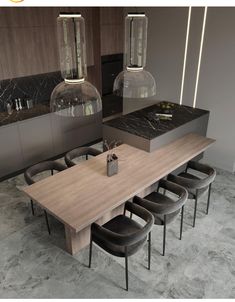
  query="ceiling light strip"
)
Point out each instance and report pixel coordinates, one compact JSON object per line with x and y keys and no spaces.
{"x":185,"y":55}
{"x":200,"y":56}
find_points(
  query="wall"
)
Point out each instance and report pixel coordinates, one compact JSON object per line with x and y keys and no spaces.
{"x":216,"y":89}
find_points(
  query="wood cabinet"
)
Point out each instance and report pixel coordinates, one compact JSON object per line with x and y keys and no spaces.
{"x":29,"y":40}
{"x":111,"y":30}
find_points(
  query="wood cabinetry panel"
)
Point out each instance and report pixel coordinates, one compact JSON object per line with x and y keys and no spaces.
{"x":29,"y":40}
{"x":112,"y":30}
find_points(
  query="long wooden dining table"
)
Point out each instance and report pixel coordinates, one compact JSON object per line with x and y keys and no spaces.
{"x":83,"y":194}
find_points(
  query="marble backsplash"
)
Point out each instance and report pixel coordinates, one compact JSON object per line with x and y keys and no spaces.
{"x":36,"y":87}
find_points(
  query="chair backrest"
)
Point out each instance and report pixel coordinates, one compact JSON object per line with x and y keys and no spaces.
{"x":165,"y":208}
{"x":41,"y":167}
{"x":132,"y":238}
{"x":79,"y":152}
{"x":189,"y":183}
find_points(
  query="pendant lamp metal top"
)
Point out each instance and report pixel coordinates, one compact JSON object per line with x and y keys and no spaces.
{"x":134,"y":81}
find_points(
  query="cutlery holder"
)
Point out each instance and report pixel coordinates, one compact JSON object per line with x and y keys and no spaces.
{"x":112,"y":165}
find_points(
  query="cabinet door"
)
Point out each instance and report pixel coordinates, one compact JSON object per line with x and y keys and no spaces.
{"x":36,"y":139}
{"x":11,"y":158}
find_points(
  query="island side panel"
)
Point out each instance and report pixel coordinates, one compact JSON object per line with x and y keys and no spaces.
{"x":110,"y":134}
{"x":198,"y":125}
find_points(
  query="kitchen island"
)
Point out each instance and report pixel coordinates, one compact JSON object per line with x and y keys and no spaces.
{"x":144,"y":130}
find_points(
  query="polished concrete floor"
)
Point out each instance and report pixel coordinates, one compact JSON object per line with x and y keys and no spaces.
{"x":35,"y":265}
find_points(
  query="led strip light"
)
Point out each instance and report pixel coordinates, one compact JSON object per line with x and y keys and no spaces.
{"x":74,"y":81}
{"x":200,"y":56}
{"x":185,"y":55}
{"x":70,"y":15}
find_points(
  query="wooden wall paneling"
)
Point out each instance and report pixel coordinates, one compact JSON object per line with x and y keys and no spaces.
{"x":29,"y":40}
{"x":112,"y":30}
{"x":94,"y":72}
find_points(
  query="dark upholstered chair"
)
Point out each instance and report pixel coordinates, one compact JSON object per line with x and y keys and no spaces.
{"x":79,"y":152}
{"x":196,"y":185}
{"x":31,"y":172}
{"x":165,"y":209}
{"x":122,"y":236}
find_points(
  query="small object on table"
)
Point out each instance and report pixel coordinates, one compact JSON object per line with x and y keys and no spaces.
{"x":9,"y":108}
{"x":112,"y":164}
{"x":29,"y":103}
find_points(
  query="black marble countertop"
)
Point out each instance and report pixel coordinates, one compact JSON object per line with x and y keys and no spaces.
{"x":143,"y":123}
{"x":37,"y":110}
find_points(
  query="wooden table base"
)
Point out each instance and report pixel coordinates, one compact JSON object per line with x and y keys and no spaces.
{"x":77,"y":241}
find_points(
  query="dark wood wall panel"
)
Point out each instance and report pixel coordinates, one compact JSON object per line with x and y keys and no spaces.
{"x":29,"y":40}
{"x":111,"y":30}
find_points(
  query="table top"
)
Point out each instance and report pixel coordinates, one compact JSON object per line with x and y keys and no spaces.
{"x":82,"y":194}
{"x":142,"y":122}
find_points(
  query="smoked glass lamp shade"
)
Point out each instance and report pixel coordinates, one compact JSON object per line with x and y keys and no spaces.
{"x":134,"y":81}
{"x":74,"y":97}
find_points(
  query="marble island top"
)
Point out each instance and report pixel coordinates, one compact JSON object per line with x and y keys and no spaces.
{"x":144,"y":122}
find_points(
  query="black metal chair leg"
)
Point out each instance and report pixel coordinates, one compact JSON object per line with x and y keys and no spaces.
{"x":195,"y":210}
{"x":47,"y":222}
{"x":126,"y":268}
{"x":86,"y":156}
{"x":149,"y":250}
{"x":90,"y":253}
{"x":32,"y":208}
{"x":52,"y":172}
{"x":181,"y":222}
{"x":208,"y":199}
{"x":164,"y":236}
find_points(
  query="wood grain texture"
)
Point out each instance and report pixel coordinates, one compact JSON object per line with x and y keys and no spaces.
{"x":29,"y":39}
{"x":111,"y":30}
{"x":82,"y":194}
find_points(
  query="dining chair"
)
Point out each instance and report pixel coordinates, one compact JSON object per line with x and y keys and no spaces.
{"x":196,"y":185}
{"x":31,"y":172}
{"x":76,"y":153}
{"x":165,"y":209}
{"x":122,"y":236}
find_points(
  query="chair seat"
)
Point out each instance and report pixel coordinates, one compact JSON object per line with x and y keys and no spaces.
{"x":120,"y":225}
{"x":192,"y":192}
{"x":162,"y":199}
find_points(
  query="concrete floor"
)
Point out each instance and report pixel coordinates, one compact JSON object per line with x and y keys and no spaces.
{"x":202,"y":265}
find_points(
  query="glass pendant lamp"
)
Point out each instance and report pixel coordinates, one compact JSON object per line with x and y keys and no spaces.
{"x":134,"y":81}
{"x":74,"y":97}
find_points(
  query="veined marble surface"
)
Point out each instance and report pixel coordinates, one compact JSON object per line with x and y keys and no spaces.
{"x":143,"y":122}
{"x":202,"y":265}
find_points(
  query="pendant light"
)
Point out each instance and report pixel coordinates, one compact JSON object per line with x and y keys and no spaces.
{"x":74,"y":97}
{"x":134,"y":81}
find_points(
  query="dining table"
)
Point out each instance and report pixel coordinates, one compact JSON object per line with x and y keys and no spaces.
{"x":83,"y":194}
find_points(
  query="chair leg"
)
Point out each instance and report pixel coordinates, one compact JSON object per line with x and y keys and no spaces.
{"x":131,"y":215}
{"x":195,"y":210}
{"x":181,"y":222}
{"x":32,"y":208}
{"x":126,"y":268}
{"x":86,"y":156}
{"x":149,"y":250}
{"x":164,"y":236}
{"x":90,"y":252}
{"x":208,"y":199}
{"x":52,"y":172}
{"x":47,"y":222}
